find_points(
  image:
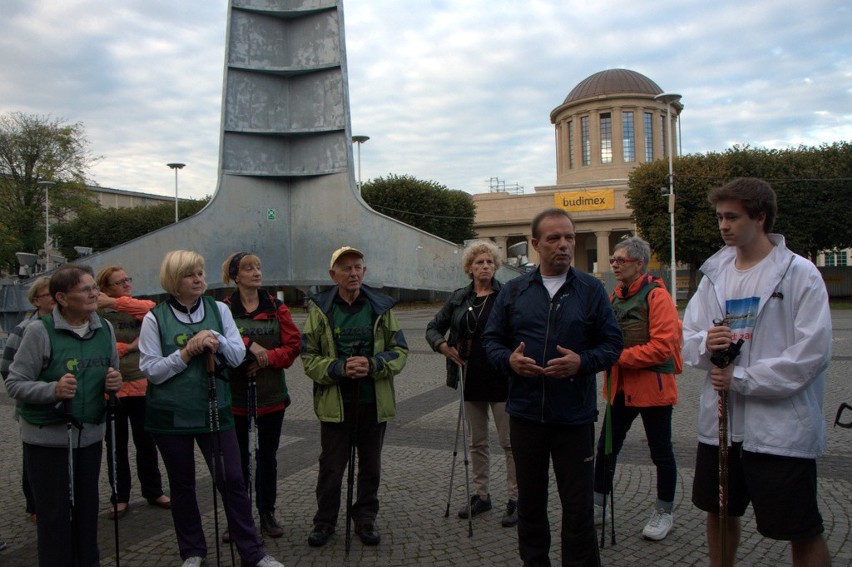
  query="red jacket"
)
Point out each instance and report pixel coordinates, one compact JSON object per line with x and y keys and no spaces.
{"x":633,"y":373}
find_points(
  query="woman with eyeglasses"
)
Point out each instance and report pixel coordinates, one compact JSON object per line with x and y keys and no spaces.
{"x":642,"y":382}
{"x":40,"y":298}
{"x":66,"y":362}
{"x":125,"y":313}
{"x":273,"y":343}
{"x":189,"y":404}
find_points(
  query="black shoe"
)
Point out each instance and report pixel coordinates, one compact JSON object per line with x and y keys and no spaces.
{"x":319,"y":537}
{"x":477,"y":506}
{"x":368,"y":533}
{"x":511,"y":517}
{"x":270,"y":526}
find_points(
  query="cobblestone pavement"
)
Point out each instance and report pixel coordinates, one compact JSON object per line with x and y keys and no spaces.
{"x":418,"y":456}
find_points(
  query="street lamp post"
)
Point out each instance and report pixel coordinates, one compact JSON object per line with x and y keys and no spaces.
{"x":47,"y":185}
{"x":669,"y":99}
{"x":359,"y":140}
{"x":176,"y":167}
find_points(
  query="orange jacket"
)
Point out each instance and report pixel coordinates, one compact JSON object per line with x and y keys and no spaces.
{"x":632,"y":373}
{"x":136,"y":308}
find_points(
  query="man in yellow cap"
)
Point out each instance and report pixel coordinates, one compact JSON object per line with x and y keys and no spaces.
{"x":352,"y":347}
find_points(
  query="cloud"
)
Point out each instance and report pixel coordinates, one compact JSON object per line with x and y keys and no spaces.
{"x":455,"y":91}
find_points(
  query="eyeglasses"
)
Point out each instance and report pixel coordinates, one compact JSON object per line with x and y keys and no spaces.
{"x":88,"y":290}
{"x":125,"y":281}
{"x":621,"y":261}
{"x":42,"y":295}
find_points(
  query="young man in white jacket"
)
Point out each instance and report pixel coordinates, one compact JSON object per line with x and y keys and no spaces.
{"x":757,"y":290}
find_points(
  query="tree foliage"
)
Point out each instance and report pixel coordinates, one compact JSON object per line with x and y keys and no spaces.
{"x":104,"y":228}
{"x":813,"y":184}
{"x":36,"y":149}
{"x":426,"y":205}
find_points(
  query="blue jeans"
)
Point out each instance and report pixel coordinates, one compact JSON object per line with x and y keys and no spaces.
{"x":571,"y":448}
{"x":658,"y":429}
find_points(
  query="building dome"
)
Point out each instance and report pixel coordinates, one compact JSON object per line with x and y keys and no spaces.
{"x":613,"y":81}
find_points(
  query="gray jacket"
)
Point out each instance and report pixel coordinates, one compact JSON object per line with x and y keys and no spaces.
{"x":23,"y":384}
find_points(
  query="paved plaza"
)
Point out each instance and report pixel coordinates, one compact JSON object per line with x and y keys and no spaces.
{"x":417,"y":461}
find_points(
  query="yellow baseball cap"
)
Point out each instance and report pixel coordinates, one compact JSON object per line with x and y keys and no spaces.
{"x":342,"y":251}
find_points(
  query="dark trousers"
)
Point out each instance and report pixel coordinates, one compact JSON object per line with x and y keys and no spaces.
{"x":658,"y":429}
{"x":59,"y":542}
{"x":25,"y":483}
{"x":571,"y":448}
{"x":178,"y":454}
{"x":265,"y":479}
{"x":131,"y":412}
{"x":335,"y":441}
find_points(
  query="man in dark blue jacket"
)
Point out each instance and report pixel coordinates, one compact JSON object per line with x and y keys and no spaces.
{"x":551,"y":331}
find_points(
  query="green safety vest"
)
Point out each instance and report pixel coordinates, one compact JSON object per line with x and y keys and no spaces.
{"x":126,"y":329}
{"x":88,"y":360}
{"x":181,"y":404}
{"x":271,"y":387}
{"x":632,"y":315}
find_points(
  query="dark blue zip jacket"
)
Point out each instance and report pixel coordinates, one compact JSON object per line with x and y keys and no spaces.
{"x":580,"y":318}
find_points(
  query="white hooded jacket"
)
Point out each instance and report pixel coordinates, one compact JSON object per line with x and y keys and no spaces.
{"x":776,"y":397}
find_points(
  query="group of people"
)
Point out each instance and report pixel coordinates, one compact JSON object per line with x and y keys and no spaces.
{"x":759,"y":324}
{"x":192,"y":371}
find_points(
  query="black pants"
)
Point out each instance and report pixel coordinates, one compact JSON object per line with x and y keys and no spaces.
{"x":265,"y":479}
{"x":131,"y":412}
{"x":335,"y":439}
{"x":572,"y":450}
{"x":58,"y":540}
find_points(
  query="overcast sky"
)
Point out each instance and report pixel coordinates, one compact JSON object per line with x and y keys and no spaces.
{"x":454,"y":91}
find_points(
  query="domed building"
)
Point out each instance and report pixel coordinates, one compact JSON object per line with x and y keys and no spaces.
{"x":607,"y":125}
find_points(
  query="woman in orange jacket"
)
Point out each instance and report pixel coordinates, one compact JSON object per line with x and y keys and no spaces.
{"x":642,"y":382}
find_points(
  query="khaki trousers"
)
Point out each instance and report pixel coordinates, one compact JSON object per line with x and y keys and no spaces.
{"x":480,"y":454}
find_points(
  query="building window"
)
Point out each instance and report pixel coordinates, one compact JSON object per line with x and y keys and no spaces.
{"x":571,"y":144}
{"x":649,"y":138}
{"x":606,"y":137}
{"x":628,"y":137}
{"x":833,"y":259}
{"x":587,"y":143}
{"x":665,"y":135}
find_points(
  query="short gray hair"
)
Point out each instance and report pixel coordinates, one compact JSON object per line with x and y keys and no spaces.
{"x":637,"y":248}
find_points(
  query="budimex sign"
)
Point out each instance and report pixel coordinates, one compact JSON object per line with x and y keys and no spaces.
{"x":575,"y":201}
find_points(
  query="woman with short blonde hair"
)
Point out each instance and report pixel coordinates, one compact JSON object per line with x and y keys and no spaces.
{"x":177,"y":337}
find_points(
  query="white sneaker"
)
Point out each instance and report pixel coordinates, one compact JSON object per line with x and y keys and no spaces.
{"x":269,"y":561}
{"x":193,"y":562}
{"x":659,"y":526}
{"x":598,"y":515}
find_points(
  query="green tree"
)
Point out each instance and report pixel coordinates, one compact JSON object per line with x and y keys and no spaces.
{"x":426,"y":205}
{"x":812,"y":184}
{"x":104,"y":228}
{"x":35,"y":149}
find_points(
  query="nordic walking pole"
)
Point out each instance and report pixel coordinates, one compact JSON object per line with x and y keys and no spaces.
{"x":213,"y":409}
{"x":723,"y":359}
{"x":112,"y":402}
{"x":353,"y":437}
{"x":462,"y":381}
{"x":455,"y":454}
{"x":723,"y":475}
{"x":251,"y":394}
{"x":608,"y":484}
{"x":64,"y":410}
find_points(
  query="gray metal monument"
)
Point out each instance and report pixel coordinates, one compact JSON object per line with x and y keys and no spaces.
{"x":286,"y":187}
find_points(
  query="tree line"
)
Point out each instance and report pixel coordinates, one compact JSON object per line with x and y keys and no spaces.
{"x":813,"y":184}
